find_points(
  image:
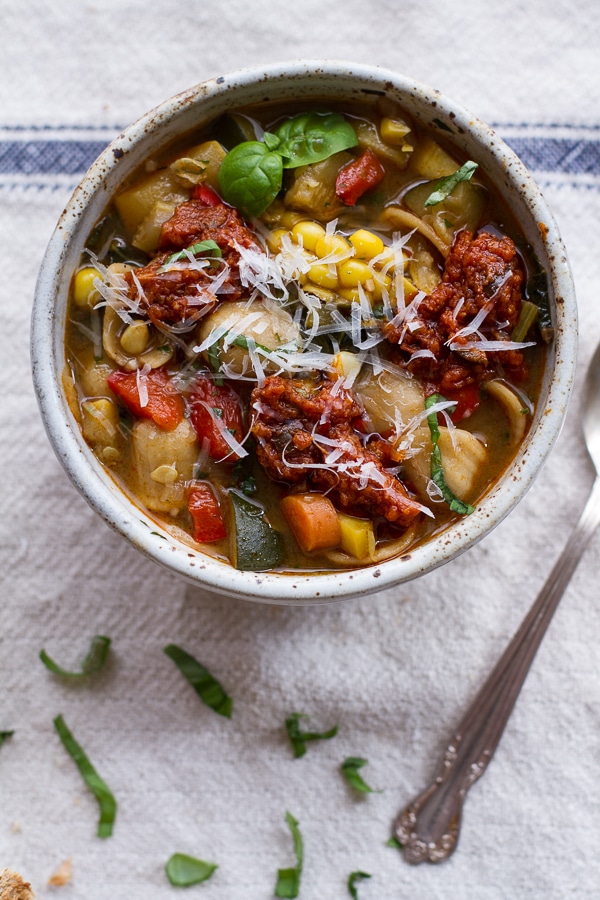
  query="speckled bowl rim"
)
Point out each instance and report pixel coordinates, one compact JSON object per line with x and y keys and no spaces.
{"x":192,"y":108}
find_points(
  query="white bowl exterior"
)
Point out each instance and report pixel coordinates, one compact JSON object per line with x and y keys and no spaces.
{"x":188,"y":112}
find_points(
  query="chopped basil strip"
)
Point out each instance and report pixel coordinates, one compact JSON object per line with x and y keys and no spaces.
{"x":206,"y":686}
{"x":394,"y":842}
{"x":93,"y":662}
{"x":353,"y":878}
{"x":298,"y":738}
{"x":350,"y":772}
{"x":102,"y":793}
{"x":4,"y":735}
{"x":288,"y":880}
{"x":445,"y":186}
{"x":183,"y":870}
{"x":210,"y":247}
{"x":437,"y":469}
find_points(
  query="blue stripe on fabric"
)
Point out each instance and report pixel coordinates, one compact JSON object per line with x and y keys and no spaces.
{"x":562,"y":155}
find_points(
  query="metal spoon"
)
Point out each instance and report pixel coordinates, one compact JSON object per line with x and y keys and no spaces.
{"x":429,"y":826}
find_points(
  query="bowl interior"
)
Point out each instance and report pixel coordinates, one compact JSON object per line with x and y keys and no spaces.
{"x":190,"y":111}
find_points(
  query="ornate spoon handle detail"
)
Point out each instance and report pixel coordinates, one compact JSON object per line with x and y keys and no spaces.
{"x":428,"y":828}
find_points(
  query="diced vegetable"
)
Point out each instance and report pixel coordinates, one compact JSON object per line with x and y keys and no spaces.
{"x":467,"y":400}
{"x":357,"y":536}
{"x":206,"y":195}
{"x":205,"y":511}
{"x":313,"y":520}
{"x":313,"y":190}
{"x":150,"y":396}
{"x":256,"y":545}
{"x":527,"y":317}
{"x":200,"y":165}
{"x":431,"y":161}
{"x":359,"y":176}
{"x":147,"y":234}
{"x":135,"y":203}
{"x":216,"y":413}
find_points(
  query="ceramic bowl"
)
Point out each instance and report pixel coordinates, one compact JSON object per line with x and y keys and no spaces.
{"x":191,"y":110}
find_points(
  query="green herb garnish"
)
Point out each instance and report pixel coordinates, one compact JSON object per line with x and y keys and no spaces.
{"x":437,"y":468}
{"x":288,"y":880}
{"x":394,"y":842}
{"x":445,"y":186}
{"x":299,"y":738}
{"x":183,"y":870}
{"x":102,"y":793}
{"x":4,"y":735}
{"x":93,"y":662}
{"x":209,"y":247}
{"x":206,"y":686}
{"x":251,"y":175}
{"x":350,"y":772}
{"x":352,"y":879}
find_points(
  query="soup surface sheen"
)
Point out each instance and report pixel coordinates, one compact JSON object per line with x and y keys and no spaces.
{"x":307,"y":338}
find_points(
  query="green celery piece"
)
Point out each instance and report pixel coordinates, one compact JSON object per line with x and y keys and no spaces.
{"x":100,"y":790}
{"x":350,"y":768}
{"x":437,"y":468}
{"x":93,"y":662}
{"x":298,"y":738}
{"x":527,"y":316}
{"x":288,"y":880}
{"x":352,"y":879}
{"x":446,"y":185}
{"x":257,"y":546}
{"x":206,"y":686}
{"x":183,"y":870}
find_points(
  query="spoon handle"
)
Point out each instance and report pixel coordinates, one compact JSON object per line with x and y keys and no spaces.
{"x":429,"y":826}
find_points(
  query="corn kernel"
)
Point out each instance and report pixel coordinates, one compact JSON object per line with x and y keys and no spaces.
{"x":351,"y":295}
{"x":135,"y":338}
{"x":353,"y":272}
{"x":393,"y":132}
{"x":84,"y":292}
{"x":323,"y":276}
{"x":290,"y":217}
{"x":378,"y":283}
{"x":164,"y":474}
{"x":366,"y":244}
{"x":274,"y":239}
{"x":347,"y":364}
{"x":308,"y":233}
{"x":332,"y":243}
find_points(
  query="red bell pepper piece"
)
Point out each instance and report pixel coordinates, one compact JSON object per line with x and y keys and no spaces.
{"x":164,"y":405}
{"x":206,"y":195}
{"x":358,"y":176}
{"x":467,"y":400}
{"x":214,"y":409}
{"x":205,"y":512}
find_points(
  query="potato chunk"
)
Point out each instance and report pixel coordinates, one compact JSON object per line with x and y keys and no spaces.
{"x":154,"y":452}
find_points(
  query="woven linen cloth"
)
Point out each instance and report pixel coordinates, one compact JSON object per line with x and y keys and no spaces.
{"x":395,"y":670}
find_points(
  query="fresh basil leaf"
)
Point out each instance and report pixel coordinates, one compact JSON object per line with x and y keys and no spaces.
{"x":437,"y":468}
{"x":4,"y":735}
{"x":93,"y":662}
{"x":183,"y":870}
{"x":445,"y":186}
{"x":288,"y":880}
{"x":250,"y":177}
{"x":210,"y":247}
{"x":298,"y":738}
{"x":102,"y":793}
{"x":353,"y":878}
{"x":271,"y":141}
{"x":350,"y":772}
{"x":312,"y":137}
{"x":208,"y":688}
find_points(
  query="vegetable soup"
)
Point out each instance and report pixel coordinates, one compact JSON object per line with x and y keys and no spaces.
{"x":307,"y":338}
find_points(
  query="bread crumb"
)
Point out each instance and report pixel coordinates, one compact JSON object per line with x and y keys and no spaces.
{"x":62,"y":876}
{"x":12,"y":886}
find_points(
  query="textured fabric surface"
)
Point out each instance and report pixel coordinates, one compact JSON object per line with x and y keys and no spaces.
{"x":396,"y":670}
